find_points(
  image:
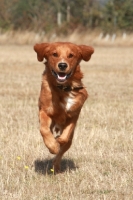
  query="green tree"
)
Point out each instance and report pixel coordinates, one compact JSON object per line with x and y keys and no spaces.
{"x":39,"y":15}
{"x":118,"y":15}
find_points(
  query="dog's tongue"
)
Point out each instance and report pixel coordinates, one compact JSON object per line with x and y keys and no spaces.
{"x":62,"y":76}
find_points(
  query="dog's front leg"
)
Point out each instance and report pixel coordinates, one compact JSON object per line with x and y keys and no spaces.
{"x":49,"y":140}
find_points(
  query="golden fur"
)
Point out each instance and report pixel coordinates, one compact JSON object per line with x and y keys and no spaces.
{"x":62,"y":94}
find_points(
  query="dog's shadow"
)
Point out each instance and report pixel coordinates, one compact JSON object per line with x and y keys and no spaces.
{"x":45,"y":166}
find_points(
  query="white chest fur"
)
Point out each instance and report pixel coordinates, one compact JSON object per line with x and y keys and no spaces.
{"x":56,"y":130}
{"x":70,"y":101}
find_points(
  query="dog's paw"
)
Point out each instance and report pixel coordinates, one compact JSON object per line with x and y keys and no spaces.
{"x":62,"y":141}
{"x":54,"y":148}
{"x":56,"y":169}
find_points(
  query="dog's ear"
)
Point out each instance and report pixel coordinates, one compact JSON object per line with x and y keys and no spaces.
{"x":86,"y":52}
{"x":41,"y":50}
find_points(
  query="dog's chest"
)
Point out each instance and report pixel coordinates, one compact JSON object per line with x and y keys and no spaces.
{"x":68,"y":102}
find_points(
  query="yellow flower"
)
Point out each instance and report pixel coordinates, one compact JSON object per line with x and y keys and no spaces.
{"x":26,"y":167}
{"x":18,"y":157}
{"x":52,"y":170}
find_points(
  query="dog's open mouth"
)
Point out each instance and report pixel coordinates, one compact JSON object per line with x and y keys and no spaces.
{"x":61,"y":76}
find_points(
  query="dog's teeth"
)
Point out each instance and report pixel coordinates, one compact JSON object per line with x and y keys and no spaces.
{"x":62,"y":77}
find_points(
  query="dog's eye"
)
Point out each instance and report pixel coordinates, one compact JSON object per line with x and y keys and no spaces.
{"x":55,"y":54}
{"x":70,"y":55}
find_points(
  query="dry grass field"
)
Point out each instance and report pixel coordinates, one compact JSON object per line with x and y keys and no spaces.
{"x":99,"y":165}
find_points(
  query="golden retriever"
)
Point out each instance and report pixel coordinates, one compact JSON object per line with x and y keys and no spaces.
{"x":62,"y":94}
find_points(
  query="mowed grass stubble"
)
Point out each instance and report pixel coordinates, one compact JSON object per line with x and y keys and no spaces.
{"x":99,"y":165}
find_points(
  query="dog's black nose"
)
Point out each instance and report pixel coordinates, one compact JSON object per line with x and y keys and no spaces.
{"x":62,"y":66}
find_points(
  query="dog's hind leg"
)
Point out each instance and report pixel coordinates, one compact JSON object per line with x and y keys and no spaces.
{"x":63,"y":149}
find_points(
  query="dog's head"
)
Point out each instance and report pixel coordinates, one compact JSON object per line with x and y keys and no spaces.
{"x":63,"y":57}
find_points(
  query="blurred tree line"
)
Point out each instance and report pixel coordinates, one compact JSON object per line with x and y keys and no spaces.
{"x":64,"y":16}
